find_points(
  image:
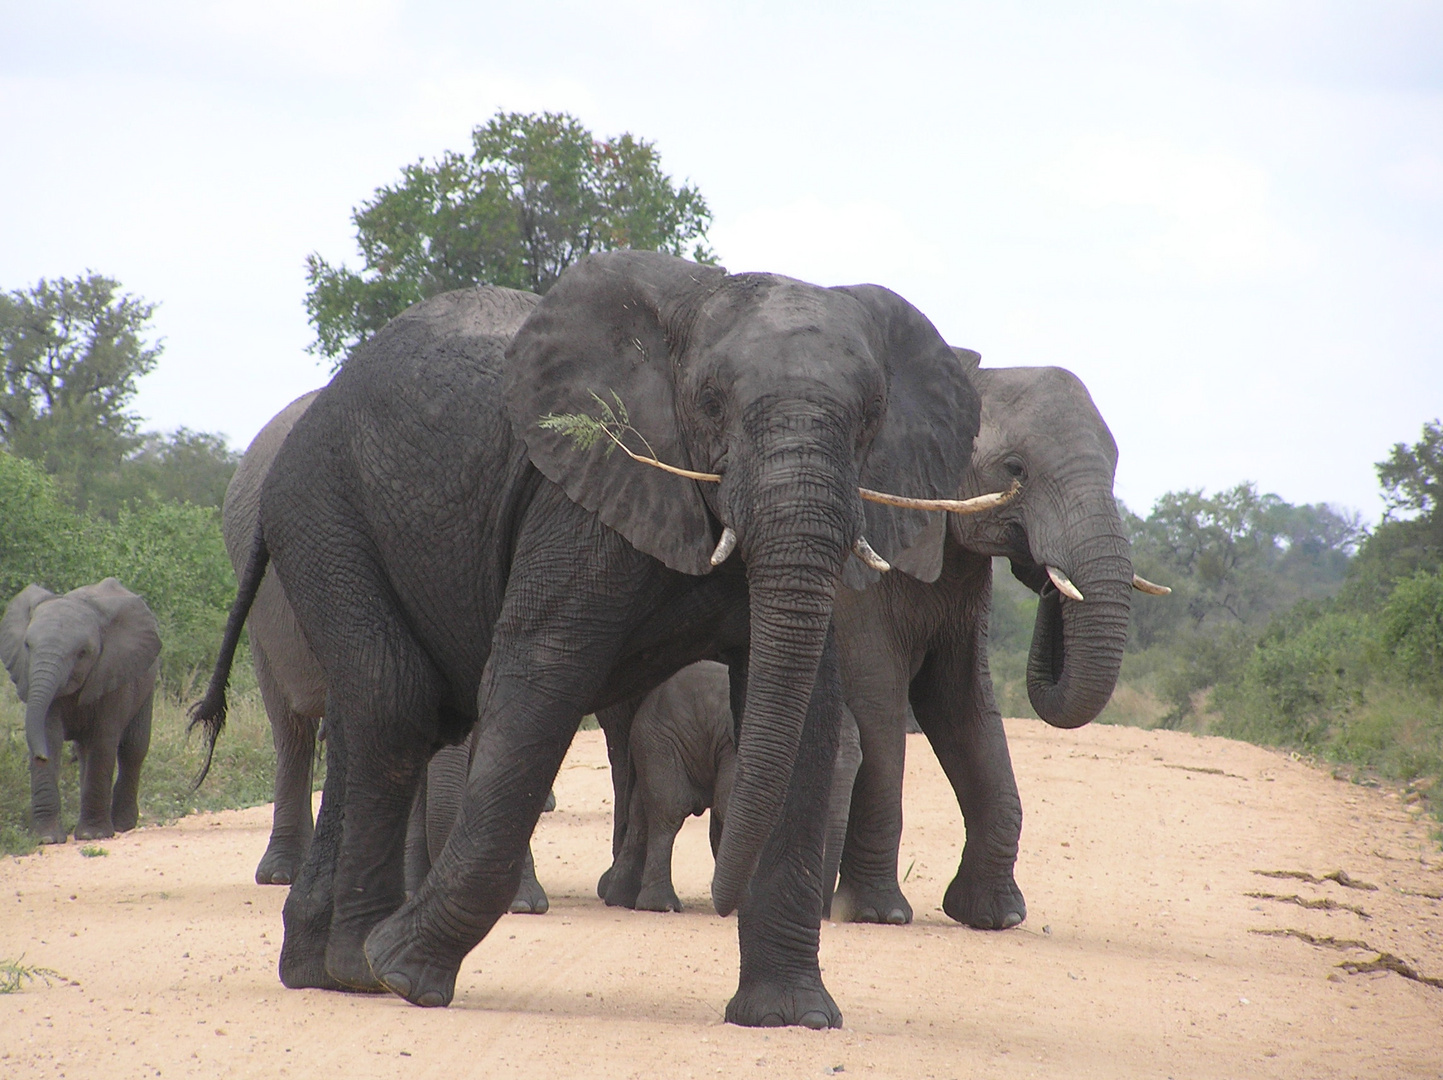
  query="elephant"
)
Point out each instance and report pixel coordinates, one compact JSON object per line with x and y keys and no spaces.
{"x":462,"y":548}
{"x":904,"y":642}
{"x":292,"y":683}
{"x":85,"y":664}
{"x":682,"y":753}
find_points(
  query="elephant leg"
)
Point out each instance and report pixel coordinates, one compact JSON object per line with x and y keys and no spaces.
{"x":615,"y":722}
{"x":45,"y":790}
{"x":530,"y":898}
{"x":952,"y":697}
{"x":294,"y":738}
{"x":418,"y":854}
{"x":97,"y":781}
{"x":134,"y":745}
{"x":310,"y":903}
{"x":624,"y":882}
{"x":868,"y":890}
{"x":844,"y":778}
{"x":779,"y":922}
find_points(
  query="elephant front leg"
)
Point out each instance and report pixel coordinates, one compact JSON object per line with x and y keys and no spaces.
{"x":45,"y":795}
{"x":971,"y":746}
{"x":97,"y":779}
{"x":779,"y":922}
{"x":868,"y":891}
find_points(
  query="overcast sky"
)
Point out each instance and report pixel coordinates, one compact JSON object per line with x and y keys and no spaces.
{"x":1226,"y":217}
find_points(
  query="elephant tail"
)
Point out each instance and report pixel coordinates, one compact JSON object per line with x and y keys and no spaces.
{"x":209,"y":712}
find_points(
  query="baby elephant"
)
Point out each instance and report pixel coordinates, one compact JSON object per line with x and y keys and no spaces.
{"x":85,"y":665}
{"x":683,"y":756}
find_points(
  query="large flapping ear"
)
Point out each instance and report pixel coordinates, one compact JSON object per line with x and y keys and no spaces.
{"x":610,"y":327}
{"x":922,"y":450}
{"x":129,"y":637}
{"x":12,"y":634}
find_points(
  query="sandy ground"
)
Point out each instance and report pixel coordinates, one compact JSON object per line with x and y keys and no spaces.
{"x":1152,"y":947}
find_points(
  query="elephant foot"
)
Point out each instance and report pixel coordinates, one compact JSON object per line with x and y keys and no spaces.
{"x":402,"y":966}
{"x":657,"y":898}
{"x":619,"y":888}
{"x":346,"y":959}
{"x":530,"y":899}
{"x":767,"y":1004}
{"x":49,"y":832}
{"x":280,"y":864}
{"x":603,"y":883}
{"x":985,"y":903}
{"x":307,"y":922}
{"x":125,"y":820}
{"x":870,"y":904}
{"x":93,"y":832}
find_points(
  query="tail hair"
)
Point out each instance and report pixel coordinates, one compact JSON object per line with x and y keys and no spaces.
{"x":210,"y":711}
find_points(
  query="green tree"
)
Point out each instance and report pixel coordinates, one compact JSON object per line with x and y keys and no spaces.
{"x":72,"y":351}
{"x":536,"y":193}
{"x":1409,"y":539}
{"x":184,"y":466}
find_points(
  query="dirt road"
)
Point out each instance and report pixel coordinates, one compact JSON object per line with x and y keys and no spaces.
{"x":1152,"y":947}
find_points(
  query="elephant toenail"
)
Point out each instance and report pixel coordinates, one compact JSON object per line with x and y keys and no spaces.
{"x":431,"y":999}
{"x":397,"y":983}
{"x":815,"y":1020}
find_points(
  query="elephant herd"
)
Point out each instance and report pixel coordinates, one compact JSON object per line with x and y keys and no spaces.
{"x":747,"y":522}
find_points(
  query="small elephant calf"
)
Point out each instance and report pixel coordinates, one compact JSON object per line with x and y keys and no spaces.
{"x":683,"y":757}
{"x":85,"y":665}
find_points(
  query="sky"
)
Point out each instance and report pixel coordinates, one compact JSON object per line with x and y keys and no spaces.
{"x":1225,"y":216}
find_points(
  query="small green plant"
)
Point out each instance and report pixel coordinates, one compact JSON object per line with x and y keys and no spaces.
{"x":14,"y":975}
{"x":93,"y":851}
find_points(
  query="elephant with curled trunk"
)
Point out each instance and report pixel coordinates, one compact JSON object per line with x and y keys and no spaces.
{"x":85,"y":665}
{"x":907,"y":641}
{"x":456,"y":558}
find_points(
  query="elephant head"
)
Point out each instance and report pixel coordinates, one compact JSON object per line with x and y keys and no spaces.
{"x":794,"y":396}
{"x":86,"y":644}
{"x":1062,"y":533}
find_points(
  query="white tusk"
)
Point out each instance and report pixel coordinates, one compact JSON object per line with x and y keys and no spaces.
{"x":1141,"y":584}
{"x":1065,"y":587}
{"x":955,"y":506}
{"x":724,"y":546}
{"x":863,"y":551}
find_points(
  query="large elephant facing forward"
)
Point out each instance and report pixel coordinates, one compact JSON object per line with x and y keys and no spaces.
{"x":453,"y":563}
{"x":903,"y":640}
{"x":85,"y":665}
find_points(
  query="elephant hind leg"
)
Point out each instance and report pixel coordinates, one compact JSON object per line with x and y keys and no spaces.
{"x":530,"y":898}
{"x":294,"y":738}
{"x":134,"y":744}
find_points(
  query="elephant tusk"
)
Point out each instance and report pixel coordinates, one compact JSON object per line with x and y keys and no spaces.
{"x":952,"y":506}
{"x":863,"y":551}
{"x":1064,"y":586}
{"x":1141,"y":584}
{"x":724,"y":546}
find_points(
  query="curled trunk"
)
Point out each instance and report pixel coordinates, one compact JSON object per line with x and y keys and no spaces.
{"x":1077,"y":646}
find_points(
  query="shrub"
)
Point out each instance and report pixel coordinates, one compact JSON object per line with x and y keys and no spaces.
{"x":1412,"y":630}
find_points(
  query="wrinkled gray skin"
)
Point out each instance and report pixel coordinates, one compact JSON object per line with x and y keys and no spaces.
{"x":292,"y":683}
{"x":682,"y":761}
{"x":454,"y":565}
{"x":85,"y":665}
{"x":904,"y":640}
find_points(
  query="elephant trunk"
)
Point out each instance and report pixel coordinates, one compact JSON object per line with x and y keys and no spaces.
{"x":1077,"y":646}
{"x":794,"y":544}
{"x":45,"y":676}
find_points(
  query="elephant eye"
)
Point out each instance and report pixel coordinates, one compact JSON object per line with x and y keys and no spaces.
{"x":1015,"y":467}
{"x":710,"y":403}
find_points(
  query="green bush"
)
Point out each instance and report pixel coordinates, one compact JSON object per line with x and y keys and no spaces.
{"x":1412,"y":630}
{"x":42,"y":541}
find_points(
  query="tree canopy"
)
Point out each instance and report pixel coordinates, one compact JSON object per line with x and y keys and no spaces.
{"x":536,"y":193}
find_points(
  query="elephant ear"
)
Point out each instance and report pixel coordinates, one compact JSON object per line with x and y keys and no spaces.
{"x":970,"y":359}
{"x":12,"y":633}
{"x":129,"y":638}
{"x":925,"y":443}
{"x":610,"y":328}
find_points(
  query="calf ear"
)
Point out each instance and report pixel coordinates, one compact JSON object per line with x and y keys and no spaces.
{"x":925,"y":443}
{"x":609,"y":327}
{"x":129,"y":638}
{"x":12,"y":634}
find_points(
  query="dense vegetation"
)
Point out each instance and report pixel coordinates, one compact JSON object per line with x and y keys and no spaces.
{"x":1288,"y":626}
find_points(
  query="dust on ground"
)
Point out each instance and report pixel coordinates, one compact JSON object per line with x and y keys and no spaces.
{"x":1185,"y":919}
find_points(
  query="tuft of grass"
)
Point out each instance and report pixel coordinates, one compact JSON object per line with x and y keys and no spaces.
{"x":93,"y":851}
{"x":242,"y":774}
{"x":14,"y":975}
